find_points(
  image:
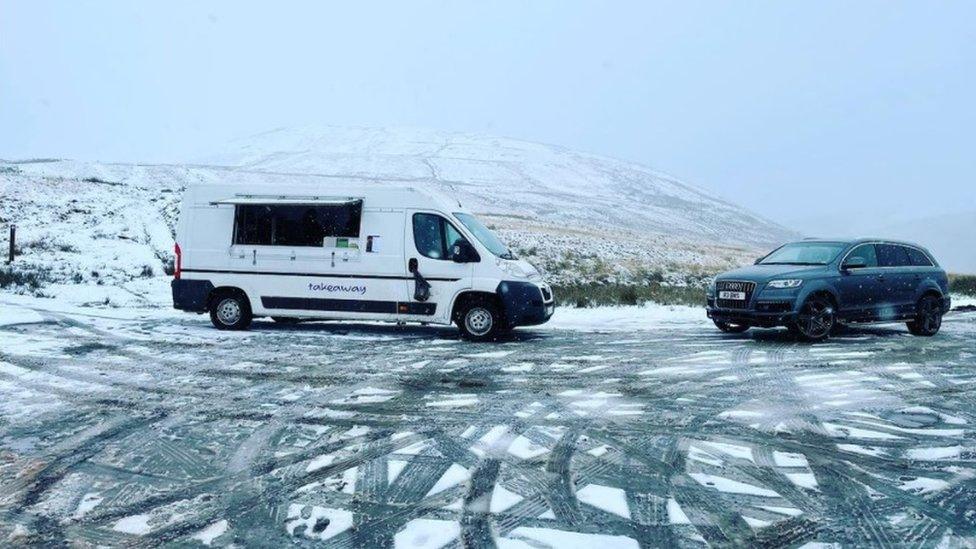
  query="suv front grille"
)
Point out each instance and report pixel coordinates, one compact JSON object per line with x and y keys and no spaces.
{"x":734,"y":286}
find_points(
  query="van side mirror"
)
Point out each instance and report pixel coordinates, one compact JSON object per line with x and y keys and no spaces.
{"x":855,"y":263}
{"x":463,"y":252}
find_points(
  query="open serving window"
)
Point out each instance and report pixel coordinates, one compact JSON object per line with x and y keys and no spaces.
{"x":297,"y":222}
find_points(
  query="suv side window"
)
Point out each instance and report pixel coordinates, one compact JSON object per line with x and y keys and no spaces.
{"x":434,"y":236}
{"x":918,"y":257}
{"x":891,"y":255}
{"x":865,"y":252}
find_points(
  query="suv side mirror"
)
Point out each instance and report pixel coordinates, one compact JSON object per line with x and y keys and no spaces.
{"x":855,"y":263}
{"x":463,"y":252}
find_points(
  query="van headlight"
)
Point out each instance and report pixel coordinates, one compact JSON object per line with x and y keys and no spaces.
{"x":785,"y":283}
{"x":514,"y":269}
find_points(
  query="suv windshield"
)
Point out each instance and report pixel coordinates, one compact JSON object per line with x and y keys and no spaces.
{"x":804,"y":253}
{"x":485,"y":236}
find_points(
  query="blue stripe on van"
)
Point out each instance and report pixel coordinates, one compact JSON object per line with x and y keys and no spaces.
{"x":320,"y":275}
{"x":348,"y":305}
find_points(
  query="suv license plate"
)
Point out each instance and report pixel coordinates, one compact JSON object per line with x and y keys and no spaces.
{"x":740,"y":296}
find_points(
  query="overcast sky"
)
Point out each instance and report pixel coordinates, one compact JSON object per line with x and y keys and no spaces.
{"x":798,"y":110}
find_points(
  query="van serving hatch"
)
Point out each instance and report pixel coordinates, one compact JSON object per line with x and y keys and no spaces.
{"x":259,"y":200}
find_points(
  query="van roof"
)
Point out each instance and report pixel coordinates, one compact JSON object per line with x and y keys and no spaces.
{"x":376,"y":194}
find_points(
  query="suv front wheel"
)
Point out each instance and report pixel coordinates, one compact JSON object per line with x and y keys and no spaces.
{"x":816,"y":319}
{"x":928,"y":317}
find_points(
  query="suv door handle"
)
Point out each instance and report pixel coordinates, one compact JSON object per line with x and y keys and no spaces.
{"x":881,"y":277}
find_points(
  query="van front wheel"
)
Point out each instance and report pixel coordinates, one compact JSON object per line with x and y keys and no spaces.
{"x":480,"y":320}
{"x":230,"y":311}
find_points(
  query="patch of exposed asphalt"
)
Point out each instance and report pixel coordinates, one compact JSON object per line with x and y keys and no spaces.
{"x":151,"y":432}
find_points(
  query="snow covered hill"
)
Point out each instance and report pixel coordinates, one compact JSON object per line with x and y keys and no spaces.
{"x":580,"y":217}
{"x":512,"y":179}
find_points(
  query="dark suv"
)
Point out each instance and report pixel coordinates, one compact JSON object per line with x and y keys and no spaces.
{"x":813,"y":285}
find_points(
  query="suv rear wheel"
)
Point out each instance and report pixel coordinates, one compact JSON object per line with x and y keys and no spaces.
{"x":230,"y":311}
{"x":816,"y":319}
{"x":928,"y":317}
{"x":729,"y":327}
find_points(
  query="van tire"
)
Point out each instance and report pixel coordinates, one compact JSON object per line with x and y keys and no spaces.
{"x":230,"y":310}
{"x":480,"y":320}
{"x":928,"y":318}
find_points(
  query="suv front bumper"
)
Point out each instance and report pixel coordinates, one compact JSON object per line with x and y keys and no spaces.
{"x":762,"y":313}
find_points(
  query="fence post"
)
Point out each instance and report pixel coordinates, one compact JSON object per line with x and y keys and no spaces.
{"x":13,"y":237}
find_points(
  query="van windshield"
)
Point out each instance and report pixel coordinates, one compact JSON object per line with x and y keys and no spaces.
{"x":805,"y":253}
{"x":485,"y":236}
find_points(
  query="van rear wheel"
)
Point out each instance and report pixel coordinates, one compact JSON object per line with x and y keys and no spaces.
{"x":928,"y":317}
{"x":480,"y":320}
{"x":230,"y":311}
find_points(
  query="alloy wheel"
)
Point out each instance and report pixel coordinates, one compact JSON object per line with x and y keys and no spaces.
{"x":816,"y":319}
{"x":929,"y":317}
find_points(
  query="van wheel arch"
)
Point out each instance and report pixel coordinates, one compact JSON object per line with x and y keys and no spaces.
{"x":481,"y":306}
{"x":466,"y":297}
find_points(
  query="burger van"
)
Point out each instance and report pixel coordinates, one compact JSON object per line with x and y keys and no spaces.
{"x":349,"y":252}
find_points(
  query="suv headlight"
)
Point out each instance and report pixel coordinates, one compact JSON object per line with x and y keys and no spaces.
{"x":785,"y":283}
{"x":711,"y":288}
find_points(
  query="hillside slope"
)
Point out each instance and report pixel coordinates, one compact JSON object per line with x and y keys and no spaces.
{"x":579,"y":217}
{"x":510,"y":178}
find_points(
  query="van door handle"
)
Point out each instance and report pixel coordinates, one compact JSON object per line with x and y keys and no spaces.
{"x":254,"y":257}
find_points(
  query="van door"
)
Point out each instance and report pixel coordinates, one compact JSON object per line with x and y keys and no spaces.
{"x":427,"y":246}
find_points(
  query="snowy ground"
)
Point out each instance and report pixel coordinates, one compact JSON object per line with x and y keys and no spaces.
{"x":607,"y":428}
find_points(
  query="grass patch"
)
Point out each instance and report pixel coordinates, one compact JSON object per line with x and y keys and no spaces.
{"x":594,"y":295}
{"x":962,"y":284}
{"x":12,"y":277}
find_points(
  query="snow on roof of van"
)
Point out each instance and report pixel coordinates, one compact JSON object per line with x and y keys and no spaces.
{"x":236,"y":185}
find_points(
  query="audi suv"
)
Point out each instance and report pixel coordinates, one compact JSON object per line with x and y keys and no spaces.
{"x":812,"y":286}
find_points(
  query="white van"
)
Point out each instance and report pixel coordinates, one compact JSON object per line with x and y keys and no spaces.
{"x":348,"y":251}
